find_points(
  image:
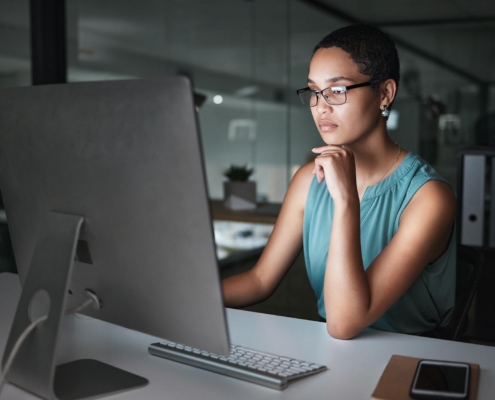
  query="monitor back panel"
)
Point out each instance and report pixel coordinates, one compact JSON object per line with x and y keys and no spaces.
{"x":127,"y":156}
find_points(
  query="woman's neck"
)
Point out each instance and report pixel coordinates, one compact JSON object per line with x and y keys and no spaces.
{"x":375,"y":159}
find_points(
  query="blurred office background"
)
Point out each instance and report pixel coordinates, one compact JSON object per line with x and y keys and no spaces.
{"x":249,"y":56}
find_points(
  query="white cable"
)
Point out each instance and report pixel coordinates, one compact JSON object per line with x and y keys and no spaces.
{"x":80,"y":307}
{"x":26,"y":332}
{"x":16,"y":347}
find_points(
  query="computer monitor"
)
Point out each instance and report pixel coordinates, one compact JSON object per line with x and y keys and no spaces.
{"x":125,"y":159}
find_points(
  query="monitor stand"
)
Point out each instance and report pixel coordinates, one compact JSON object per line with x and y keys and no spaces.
{"x":34,"y":367}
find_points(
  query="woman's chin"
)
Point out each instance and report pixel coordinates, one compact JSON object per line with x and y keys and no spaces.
{"x":331,"y":139}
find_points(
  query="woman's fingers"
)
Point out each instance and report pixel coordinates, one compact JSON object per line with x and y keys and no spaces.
{"x":318,"y":168}
{"x":319,"y":171}
{"x":329,"y":147}
{"x":335,"y":165}
{"x":323,"y":158}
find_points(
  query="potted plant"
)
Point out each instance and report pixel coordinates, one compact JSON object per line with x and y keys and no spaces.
{"x":239,"y":192}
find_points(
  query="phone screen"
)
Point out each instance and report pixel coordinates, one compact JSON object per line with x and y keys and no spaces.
{"x":444,"y":379}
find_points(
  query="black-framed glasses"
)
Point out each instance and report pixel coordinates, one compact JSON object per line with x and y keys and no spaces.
{"x":333,"y":95}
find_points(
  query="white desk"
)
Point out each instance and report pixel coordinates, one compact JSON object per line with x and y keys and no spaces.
{"x":354,"y":366}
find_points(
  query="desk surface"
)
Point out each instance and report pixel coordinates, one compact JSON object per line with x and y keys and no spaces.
{"x":354,"y":366}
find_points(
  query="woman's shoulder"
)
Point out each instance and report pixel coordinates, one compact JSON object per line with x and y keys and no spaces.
{"x":414,"y":173}
{"x":436,"y":192}
{"x":429,"y":189}
{"x":422,"y":169}
{"x":303,"y":177}
{"x":300,"y":184}
{"x":305,"y":172}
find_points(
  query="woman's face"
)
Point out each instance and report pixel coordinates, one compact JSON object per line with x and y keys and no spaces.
{"x":359,"y":115}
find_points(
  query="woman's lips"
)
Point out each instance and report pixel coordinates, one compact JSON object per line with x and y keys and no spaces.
{"x":326,"y":126}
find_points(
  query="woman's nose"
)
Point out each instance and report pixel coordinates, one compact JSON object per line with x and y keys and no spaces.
{"x":322,"y":106}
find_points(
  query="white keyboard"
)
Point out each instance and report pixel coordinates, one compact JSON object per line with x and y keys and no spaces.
{"x":251,"y":365}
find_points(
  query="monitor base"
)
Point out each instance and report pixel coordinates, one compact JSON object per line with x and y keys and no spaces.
{"x":35,"y":366}
{"x":87,"y":379}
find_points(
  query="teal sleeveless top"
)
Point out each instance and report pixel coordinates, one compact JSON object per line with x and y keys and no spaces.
{"x":429,"y":302}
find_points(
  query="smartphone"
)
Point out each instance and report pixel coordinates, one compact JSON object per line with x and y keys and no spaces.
{"x":441,"y":380}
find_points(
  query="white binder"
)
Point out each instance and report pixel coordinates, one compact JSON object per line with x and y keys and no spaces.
{"x":491,"y":242}
{"x":473,"y":198}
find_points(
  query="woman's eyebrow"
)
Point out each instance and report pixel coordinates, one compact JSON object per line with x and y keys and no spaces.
{"x":334,"y":79}
{"x":339,"y":78}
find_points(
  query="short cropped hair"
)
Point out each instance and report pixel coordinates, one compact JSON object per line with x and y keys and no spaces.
{"x":370,"y":48}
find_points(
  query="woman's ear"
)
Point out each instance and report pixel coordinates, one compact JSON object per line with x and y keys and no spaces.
{"x":388,"y":89}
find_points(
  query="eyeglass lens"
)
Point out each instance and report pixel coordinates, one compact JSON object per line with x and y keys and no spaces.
{"x":332,"y":97}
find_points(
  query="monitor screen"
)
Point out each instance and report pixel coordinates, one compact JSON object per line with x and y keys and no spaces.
{"x":126,"y":156}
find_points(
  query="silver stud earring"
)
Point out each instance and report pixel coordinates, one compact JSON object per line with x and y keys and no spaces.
{"x":385,"y":111}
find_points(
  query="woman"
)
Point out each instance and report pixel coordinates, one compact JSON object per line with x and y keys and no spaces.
{"x":376,"y":221}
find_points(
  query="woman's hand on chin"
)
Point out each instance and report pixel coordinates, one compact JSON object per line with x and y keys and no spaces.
{"x":335,"y":164}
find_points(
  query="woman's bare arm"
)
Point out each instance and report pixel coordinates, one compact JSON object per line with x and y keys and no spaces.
{"x":282,"y":248}
{"x":355,"y":298}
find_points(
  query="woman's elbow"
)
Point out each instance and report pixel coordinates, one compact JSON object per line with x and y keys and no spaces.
{"x":342,"y":331}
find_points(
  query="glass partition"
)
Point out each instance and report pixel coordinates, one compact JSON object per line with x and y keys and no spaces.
{"x":248,"y":58}
{"x":15,"y":64}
